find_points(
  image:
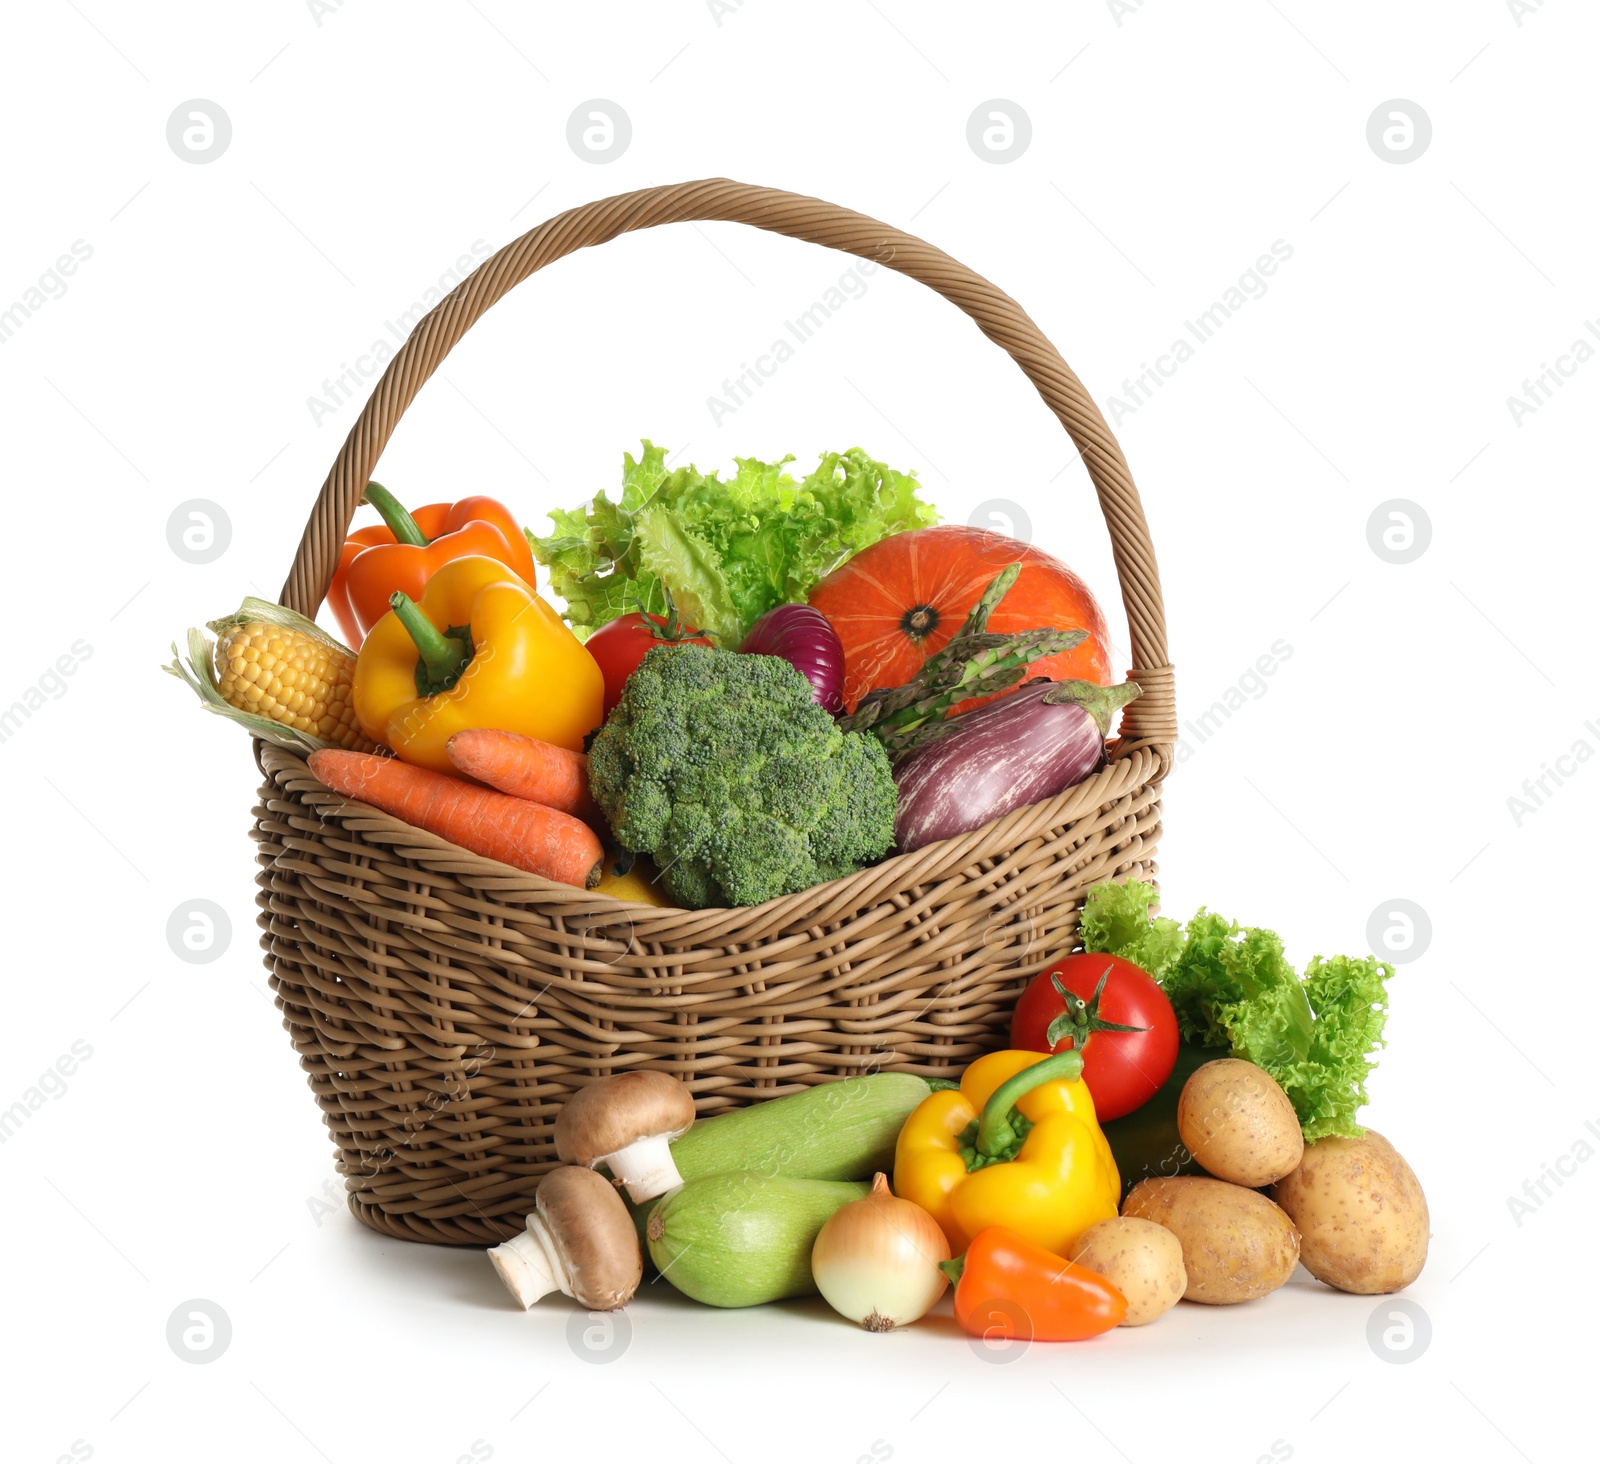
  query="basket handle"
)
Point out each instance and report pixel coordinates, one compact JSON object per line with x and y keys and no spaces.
{"x":1151,"y":721}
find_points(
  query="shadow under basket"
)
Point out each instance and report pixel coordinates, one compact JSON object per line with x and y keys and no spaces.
{"x":445,"y":1006}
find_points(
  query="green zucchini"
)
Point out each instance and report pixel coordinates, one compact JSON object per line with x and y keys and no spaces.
{"x":841,"y":1130}
{"x":742,"y":1239}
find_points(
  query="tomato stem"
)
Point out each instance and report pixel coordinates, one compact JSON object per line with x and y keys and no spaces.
{"x":670,"y":629}
{"x":1081,"y":1018}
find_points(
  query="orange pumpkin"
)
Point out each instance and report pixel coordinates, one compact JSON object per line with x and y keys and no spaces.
{"x":900,"y":601}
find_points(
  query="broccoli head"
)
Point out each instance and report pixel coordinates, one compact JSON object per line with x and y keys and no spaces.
{"x":723,"y":768}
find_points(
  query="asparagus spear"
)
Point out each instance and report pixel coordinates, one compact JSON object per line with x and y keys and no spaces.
{"x":975,"y":662}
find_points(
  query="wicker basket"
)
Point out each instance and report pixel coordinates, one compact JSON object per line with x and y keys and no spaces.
{"x":445,"y":1005}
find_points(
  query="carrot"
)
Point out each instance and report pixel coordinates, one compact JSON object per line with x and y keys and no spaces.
{"x":525,"y":835}
{"x":524,"y":767}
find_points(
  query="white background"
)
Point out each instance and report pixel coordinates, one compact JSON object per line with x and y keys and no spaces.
{"x":1171,"y":146}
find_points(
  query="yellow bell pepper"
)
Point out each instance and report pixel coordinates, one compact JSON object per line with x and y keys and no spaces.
{"x":480,"y":649}
{"x":641,"y":884}
{"x":1017,"y":1144}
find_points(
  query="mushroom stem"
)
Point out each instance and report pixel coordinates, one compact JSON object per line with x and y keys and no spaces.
{"x":646,"y":1167}
{"x":530,"y":1265}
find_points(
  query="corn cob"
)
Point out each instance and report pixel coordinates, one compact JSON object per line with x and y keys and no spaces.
{"x":277,"y":673}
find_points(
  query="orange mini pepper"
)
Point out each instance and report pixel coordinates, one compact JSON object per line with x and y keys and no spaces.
{"x":403,"y":551}
{"x":1006,"y":1286}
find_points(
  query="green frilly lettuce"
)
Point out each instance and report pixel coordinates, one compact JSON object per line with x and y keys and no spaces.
{"x":1117,"y":920}
{"x":726,"y":549}
{"x":1233,"y":989}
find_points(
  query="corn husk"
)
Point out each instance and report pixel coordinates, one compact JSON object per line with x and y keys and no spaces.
{"x":197,"y":672}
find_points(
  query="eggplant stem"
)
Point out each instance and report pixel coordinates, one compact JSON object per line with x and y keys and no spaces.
{"x":1100,"y":702}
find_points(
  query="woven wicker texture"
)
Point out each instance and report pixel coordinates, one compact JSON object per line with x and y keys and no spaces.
{"x":444,"y":1005}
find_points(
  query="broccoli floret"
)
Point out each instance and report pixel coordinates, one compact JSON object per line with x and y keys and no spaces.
{"x":724,"y":769}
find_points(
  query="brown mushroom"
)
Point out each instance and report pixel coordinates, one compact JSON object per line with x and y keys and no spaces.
{"x":627,"y":1123}
{"x":579,"y":1240}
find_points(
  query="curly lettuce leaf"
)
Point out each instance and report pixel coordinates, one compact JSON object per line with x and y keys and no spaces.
{"x":669,"y":554}
{"x":727,"y":550}
{"x":1117,"y":921}
{"x":1233,"y":989}
{"x":1350,"y":999}
{"x":592,"y":551}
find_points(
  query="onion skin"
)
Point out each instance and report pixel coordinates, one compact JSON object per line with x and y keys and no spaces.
{"x":876,"y":1260}
{"x":1003,"y":756}
{"x":806,"y":639}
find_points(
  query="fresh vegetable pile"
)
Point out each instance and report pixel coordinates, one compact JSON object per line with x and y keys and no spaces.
{"x":758,"y":683}
{"x":1007,"y":1184}
{"x":762,"y":683}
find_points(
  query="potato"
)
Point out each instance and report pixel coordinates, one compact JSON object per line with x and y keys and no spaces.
{"x":1237,"y":1244}
{"x":1239,"y":1123}
{"x":1143,"y":1260}
{"x":1362,"y":1215}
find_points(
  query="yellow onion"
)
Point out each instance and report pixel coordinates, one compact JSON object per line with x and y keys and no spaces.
{"x":876,"y":1260}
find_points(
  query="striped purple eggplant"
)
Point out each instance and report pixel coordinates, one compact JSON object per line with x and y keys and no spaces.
{"x":1025,"y":747}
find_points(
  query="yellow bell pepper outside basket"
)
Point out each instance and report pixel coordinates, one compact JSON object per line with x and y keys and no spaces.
{"x":1017,"y":1144}
{"x":479,"y":649}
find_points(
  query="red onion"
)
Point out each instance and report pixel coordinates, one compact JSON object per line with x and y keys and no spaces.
{"x":1024,"y":747}
{"x":806,"y":639}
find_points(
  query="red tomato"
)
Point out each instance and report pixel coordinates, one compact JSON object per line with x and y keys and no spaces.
{"x":621,"y":644}
{"x":1123,"y":1069}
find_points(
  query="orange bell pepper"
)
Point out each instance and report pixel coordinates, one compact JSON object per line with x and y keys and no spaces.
{"x":404,"y":550}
